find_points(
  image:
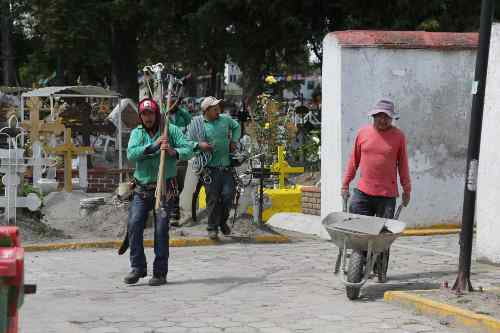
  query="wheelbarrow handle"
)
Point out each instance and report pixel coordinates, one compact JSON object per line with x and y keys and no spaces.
{"x":398,"y":211}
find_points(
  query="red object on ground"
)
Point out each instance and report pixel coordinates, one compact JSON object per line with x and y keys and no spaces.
{"x":11,"y":275}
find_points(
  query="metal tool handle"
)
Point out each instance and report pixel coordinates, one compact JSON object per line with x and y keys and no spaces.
{"x":398,"y":211}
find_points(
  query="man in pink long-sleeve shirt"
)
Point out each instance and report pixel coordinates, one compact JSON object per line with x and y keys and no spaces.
{"x":380,"y":152}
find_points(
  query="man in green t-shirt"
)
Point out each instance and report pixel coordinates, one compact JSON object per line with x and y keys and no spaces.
{"x":178,"y":114}
{"x":144,"y":146}
{"x":221,"y":134}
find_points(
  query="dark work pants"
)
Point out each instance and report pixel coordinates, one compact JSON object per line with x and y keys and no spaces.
{"x":220,"y":193}
{"x":174,"y":207}
{"x":141,"y":204}
{"x":364,"y":204}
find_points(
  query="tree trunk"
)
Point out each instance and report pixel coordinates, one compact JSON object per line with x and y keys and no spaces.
{"x":60,"y":78}
{"x":212,"y":82}
{"x":124,"y":59}
{"x":8,"y":60}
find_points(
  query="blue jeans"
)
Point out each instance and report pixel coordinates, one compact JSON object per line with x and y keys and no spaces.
{"x":220,"y":194}
{"x":141,"y":204}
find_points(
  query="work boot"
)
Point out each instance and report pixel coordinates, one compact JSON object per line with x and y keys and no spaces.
{"x":134,"y":276}
{"x":158,"y":280}
{"x":224,"y":228}
{"x":212,"y":234}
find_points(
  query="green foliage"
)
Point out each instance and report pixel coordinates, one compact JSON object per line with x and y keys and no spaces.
{"x":28,"y":188}
{"x":270,"y":127}
{"x":262,"y":37}
{"x":310,"y":150}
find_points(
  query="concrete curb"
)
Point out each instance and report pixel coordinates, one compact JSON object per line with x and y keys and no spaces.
{"x":114,"y":244}
{"x":459,"y":316}
{"x":430,"y":232}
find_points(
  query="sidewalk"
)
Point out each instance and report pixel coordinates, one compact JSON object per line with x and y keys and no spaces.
{"x":477,"y":311}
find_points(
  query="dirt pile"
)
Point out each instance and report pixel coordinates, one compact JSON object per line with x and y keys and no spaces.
{"x":33,"y":230}
{"x":62,"y":211}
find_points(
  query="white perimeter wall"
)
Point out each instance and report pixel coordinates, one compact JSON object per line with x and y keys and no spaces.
{"x":432,"y":92}
{"x":488,"y":194}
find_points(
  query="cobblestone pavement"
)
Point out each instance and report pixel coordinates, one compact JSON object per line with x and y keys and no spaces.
{"x":235,"y":288}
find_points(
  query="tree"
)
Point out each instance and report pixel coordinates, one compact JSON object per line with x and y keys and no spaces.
{"x":74,"y":38}
{"x":9,"y":77}
{"x":266,"y":37}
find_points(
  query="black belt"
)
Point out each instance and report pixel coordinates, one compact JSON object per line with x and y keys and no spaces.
{"x":221,"y":168}
{"x":146,"y":187}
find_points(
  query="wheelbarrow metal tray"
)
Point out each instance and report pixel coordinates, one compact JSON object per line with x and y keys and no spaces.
{"x":358,"y":230}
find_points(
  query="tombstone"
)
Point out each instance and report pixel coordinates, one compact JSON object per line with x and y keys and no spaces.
{"x":13,"y":166}
{"x":69,"y":151}
{"x":283,"y":168}
{"x":38,"y":128}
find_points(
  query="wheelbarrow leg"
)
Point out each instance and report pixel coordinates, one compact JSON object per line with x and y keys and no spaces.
{"x":339,"y":261}
{"x":382,"y":265}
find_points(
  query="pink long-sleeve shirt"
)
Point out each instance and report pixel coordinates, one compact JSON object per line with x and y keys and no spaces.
{"x":379,"y":155}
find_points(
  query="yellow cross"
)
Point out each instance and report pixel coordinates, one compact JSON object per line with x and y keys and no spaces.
{"x":283,"y":168}
{"x":39,"y":127}
{"x":69,"y":151}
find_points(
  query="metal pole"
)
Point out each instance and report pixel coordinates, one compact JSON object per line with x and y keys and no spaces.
{"x":22,"y":119}
{"x":51,"y":98}
{"x":119,"y":139}
{"x":462,"y":282}
{"x":261,"y":190}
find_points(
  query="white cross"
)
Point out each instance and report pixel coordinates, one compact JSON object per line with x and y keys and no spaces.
{"x":38,"y":163}
{"x":13,"y":165}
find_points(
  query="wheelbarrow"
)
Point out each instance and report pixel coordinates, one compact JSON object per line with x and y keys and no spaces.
{"x":363,"y":241}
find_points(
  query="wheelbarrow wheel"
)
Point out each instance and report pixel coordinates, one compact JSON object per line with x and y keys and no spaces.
{"x":355,"y":273}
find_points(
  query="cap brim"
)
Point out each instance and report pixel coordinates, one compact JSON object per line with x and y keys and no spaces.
{"x":217,"y":102}
{"x":214,"y":103}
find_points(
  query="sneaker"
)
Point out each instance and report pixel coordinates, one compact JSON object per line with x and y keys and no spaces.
{"x":133,"y":277}
{"x":212,"y":234}
{"x":158,"y":280}
{"x":224,"y":228}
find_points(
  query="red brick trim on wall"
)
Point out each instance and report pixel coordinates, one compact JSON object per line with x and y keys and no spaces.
{"x":311,"y":200}
{"x":100,"y":180}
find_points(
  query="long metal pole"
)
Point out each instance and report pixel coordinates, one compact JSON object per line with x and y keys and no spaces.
{"x":462,"y":282}
{"x":261,"y":191}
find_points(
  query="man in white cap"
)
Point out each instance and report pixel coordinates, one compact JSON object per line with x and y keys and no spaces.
{"x":380,"y":152}
{"x":221,"y":133}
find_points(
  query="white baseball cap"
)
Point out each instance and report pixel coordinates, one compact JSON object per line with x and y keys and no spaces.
{"x":208,"y":102}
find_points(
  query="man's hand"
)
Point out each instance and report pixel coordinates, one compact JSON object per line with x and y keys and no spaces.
{"x":168,"y":149}
{"x":161,"y":139}
{"x":344,"y":192}
{"x":232,"y":147}
{"x":406,"y":199}
{"x":205,"y":146}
